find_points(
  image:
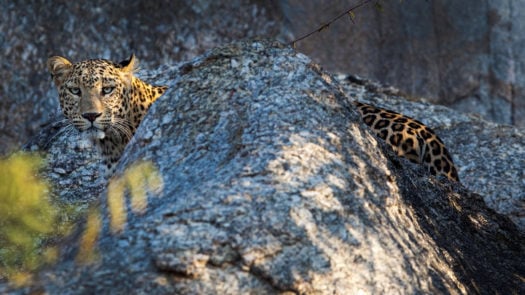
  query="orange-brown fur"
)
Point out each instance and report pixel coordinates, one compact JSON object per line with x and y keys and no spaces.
{"x":103,"y":100}
{"x":409,"y":138}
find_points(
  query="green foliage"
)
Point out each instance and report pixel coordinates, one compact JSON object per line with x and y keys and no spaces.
{"x":138,"y":180}
{"x":27,"y":218}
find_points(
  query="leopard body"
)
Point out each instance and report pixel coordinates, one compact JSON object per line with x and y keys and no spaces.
{"x":409,"y":138}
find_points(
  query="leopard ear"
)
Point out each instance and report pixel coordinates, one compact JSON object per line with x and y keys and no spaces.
{"x":129,"y":65}
{"x":59,"y":67}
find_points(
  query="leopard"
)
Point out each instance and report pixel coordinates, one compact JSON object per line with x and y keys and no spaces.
{"x":409,"y":138}
{"x":104,"y":101}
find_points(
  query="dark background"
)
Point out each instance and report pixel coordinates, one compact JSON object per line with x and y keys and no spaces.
{"x":464,"y":54}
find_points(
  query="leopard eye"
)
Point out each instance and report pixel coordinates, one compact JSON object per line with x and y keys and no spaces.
{"x":107,"y":90}
{"x":74,"y":90}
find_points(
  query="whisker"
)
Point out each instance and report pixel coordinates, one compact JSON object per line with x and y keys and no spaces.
{"x":67,"y":129}
{"x":123,"y":128}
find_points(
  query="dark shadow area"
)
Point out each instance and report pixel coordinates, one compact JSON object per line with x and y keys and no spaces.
{"x":484,"y":249}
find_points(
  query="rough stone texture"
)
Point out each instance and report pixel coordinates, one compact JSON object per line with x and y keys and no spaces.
{"x":158,"y":32}
{"x":490,"y":157}
{"x":465,"y":54}
{"x":73,"y":169}
{"x":272,"y":185}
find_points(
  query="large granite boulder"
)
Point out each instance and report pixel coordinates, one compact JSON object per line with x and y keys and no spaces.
{"x":273,"y":185}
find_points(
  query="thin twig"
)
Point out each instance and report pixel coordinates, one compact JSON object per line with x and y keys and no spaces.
{"x":327,"y":24}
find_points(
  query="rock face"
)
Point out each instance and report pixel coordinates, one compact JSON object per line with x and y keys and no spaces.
{"x":465,"y":54}
{"x":157,"y":32}
{"x":273,"y":185}
{"x":490,"y":157}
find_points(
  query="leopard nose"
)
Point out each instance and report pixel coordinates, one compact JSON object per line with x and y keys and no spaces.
{"x":91,"y":117}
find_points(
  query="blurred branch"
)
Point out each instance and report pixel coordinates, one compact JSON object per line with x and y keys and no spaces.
{"x":327,"y":24}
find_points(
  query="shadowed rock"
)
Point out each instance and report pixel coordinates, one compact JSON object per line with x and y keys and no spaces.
{"x":272,"y":184}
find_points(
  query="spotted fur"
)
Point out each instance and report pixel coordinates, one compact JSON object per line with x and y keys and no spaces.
{"x":409,"y":138}
{"x":103,"y":100}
